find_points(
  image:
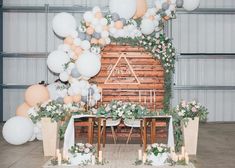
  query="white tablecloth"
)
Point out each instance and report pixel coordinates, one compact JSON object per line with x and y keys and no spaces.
{"x":69,"y":138}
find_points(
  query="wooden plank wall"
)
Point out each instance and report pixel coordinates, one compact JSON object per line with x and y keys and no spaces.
{"x":122,"y":84}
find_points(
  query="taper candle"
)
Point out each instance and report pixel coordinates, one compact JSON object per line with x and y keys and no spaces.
{"x":186,"y":158}
{"x":140,"y":154}
{"x":144,"y":157}
{"x":93,"y":160}
{"x":59,"y":159}
{"x":100,"y":157}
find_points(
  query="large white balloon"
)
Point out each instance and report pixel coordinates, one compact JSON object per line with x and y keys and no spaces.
{"x":64,"y":24}
{"x":147,"y":26}
{"x":88,"y":64}
{"x":191,"y":5}
{"x":18,"y":130}
{"x":56,"y":61}
{"x":125,"y":8}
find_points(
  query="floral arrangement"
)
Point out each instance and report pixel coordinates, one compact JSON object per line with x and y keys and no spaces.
{"x":181,"y":113}
{"x":82,"y":149}
{"x":119,"y":109}
{"x":55,"y":110}
{"x":157,"y":149}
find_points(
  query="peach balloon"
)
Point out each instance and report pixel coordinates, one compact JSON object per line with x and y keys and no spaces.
{"x":68,"y":40}
{"x":141,"y":9}
{"x":36,"y":94}
{"x":98,"y":15}
{"x":94,"y":41}
{"x":88,"y":23}
{"x":73,"y":47}
{"x":106,"y":28}
{"x":68,"y":99}
{"x":90,"y":30}
{"x":118,"y":24}
{"x":75,"y":57}
{"x":77,"y":99}
{"x":78,"y":51}
{"x":102,"y":41}
{"x":22,"y":110}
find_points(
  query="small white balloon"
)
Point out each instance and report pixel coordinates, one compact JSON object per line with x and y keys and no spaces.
{"x":18,"y":130}
{"x":56,"y":61}
{"x":104,"y":34}
{"x":77,"y":41}
{"x":125,"y":8}
{"x":64,"y":76}
{"x":88,"y":16}
{"x":96,"y":9}
{"x":99,"y":28}
{"x":191,"y":5}
{"x":64,"y":24}
{"x":88,"y":64}
{"x":147,"y":26}
{"x":85,"y":45}
{"x":64,"y":48}
{"x":95,"y":22}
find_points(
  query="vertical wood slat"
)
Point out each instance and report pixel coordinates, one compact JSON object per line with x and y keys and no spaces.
{"x":149,"y":72}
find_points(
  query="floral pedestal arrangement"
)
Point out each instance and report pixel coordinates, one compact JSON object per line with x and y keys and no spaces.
{"x":81,"y":154}
{"x":157,"y":154}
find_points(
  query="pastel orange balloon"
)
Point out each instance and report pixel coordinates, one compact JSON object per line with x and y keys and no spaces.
{"x":78,"y":51}
{"x":90,"y":30}
{"x":118,"y":24}
{"x":102,"y":41}
{"x":75,"y":56}
{"x":98,"y":15}
{"x":73,"y":47}
{"x":88,"y":23}
{"x":22,"y":110}
{"x":76,"y":99}
{"x":68,"y":99}
{"x":141,"y":8}
{"x":94,"y":41}
{"x":68,"y":40}
{"x":36,"y":94}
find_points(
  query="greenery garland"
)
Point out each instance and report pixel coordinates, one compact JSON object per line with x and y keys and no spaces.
{"x":162,"y":49}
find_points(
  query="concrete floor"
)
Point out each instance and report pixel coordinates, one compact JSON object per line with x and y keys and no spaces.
{"x":216,"y":149}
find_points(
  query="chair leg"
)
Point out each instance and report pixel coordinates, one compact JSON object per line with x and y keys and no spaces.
{"x":114,"y":135}
{"x":129,"y":136}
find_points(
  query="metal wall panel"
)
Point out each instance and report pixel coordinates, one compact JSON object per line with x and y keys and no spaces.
{"x":213,"y":33}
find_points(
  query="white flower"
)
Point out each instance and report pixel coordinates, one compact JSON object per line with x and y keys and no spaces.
{"x":87,"y":150}
{"x":154,"y":145}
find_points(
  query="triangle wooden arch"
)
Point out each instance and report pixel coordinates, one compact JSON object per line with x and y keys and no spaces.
{"x":122,"y":55}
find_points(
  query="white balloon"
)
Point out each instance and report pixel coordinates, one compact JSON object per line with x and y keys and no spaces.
{"x":104,"y":34}
{"x":17,"y":130}
{"x":125,"y":8}
{"x":107,"y":41}
{"x":77,"y":41}
{"x":64,"y":48}
{"x":97,"y":96}
{"x":74,"y":34}
{"x":88,"y":64}
{"x":64,"y":76}
{"x":147,"y":26}
{"x":84,"y":92}
{"x":96,"y":9}
{"x":99,"y":28}
{"x":56,"y":61}
{"x":191,"y":5}
{"x":64,"y":24}
{"x":88,"y":16}
{"x":85,"y":45}
{"x":94,"y":21}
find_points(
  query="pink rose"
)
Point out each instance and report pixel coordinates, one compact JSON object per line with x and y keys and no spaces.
{"x":183,"y":103}
{"x":194,"y":109}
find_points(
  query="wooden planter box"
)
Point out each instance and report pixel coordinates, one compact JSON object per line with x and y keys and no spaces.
{"x":50,"y":137}
{"x":190,"y":133}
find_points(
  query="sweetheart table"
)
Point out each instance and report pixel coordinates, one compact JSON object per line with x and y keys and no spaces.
{"x":69,"y":136}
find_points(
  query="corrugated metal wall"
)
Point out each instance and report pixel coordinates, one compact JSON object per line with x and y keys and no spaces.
{"x":192,"y":33}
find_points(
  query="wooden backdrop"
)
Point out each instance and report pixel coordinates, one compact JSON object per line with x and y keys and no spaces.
{"x":131,"y":74}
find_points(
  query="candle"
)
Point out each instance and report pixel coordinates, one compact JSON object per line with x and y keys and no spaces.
{"x":181,"y":157}
{"x":186,"y":158}
{"x":151,"y":97}
{"x":93,"y":160}
{"x":144,"y":157}
{"x":65,"y":155}
{"x":59,"y":159}
{"x":145,"y":100}
{"x":100,"y":156}
{"x":183,"y":150}
{"x":101,"y":96}
{"x":140,"y":154}
{"x":139,"y":96}
{"x":57,"y":152}
{"x":154,"y":100}
{"x":175,"y":157}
